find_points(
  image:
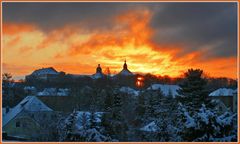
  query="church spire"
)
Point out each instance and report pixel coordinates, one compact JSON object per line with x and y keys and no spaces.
{"x":99,"y":69}
{"x":125,"y":64}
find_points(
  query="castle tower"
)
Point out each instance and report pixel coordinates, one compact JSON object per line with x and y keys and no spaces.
{"x":99,"y":69}
{"x":125,"y":71}
{"x":98,"y":73}
{"x":125,"y":65}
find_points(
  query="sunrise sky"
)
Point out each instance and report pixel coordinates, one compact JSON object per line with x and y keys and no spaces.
{"x":157,"y":38}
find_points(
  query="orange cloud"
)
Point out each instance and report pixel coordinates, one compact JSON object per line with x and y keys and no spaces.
{"x":75,"y":50}
{"x":11,"y":28}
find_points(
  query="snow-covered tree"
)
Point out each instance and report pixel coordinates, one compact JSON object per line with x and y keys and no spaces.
{"x":114,"y":121}
{"x":206,"y":125}
{"x":193,"y":89}
{"x":82,"y":127}
{"x":66,"y":127}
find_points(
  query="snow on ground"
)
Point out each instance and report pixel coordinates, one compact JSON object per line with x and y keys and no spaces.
{"x":166,"y":89}
{"x":223,"y":92}
{"x":54,"y":92}
{"x":151,"y":127}
{"x":129,"y":90}
{"x":29,"y":103}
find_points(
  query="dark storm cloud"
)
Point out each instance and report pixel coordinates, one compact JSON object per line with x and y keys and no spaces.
{"x":52,"y":15}
{"x":197,"y":26}
{"x":212,"y":26}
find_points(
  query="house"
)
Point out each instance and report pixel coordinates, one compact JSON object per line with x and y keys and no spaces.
{"x":44,"y":74}
{"x":227,"y":96}
{"x":31,"y":119}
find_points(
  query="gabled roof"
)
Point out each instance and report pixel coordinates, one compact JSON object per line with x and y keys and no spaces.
{"x":97,"y":75}
{"x":125,"y":72}
{"x":49,"y":70}
{"x":165,"y":89}
{"x":129,"y":90}
{"x":30,"y":103}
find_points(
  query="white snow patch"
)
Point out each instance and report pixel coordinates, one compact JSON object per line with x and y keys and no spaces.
{"x":84,"y":117}
{"x":223,"y":92}
{"x":205,"y":114}
{"x":4,"y":111}
{"x":44,"y":71}
{"x":129,"y":90}
{"x":166,"y":89}
{"x":126,"y":72}
{"x":225,"y":119}
{"x":31,"y":88}
{"x":97,"y":75}
{"x":190,"y":121}
{"x":54,"y":92}
{"x":151,"y":127}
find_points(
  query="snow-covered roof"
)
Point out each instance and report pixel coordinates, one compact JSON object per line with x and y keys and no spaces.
{"x":29,"y":88}
{"x":151,"y":127}
{"x":54,"y":92}
{"x":43,"y":71}
{"x":129,"y":90}
{"x":166,"y":89}
{"x":4,"y":111}
{"x":223,"y":92}
{"x":125,"y":72}
{"x":97,"y":75}
{"x":29,"y":103}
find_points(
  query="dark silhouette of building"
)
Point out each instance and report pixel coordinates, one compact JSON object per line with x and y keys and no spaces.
{"x":125,"y":71}
{"x":98,"y":73}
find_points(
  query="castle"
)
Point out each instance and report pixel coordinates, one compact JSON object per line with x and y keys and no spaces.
{"x":50,"y":73}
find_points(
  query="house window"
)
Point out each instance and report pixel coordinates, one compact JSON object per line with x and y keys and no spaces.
{"x":18,"y":124}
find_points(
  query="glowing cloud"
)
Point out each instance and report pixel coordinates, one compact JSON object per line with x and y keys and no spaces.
{"x":74,"y":50}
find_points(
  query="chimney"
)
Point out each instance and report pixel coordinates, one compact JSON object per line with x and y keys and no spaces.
{"x":7,"y":109}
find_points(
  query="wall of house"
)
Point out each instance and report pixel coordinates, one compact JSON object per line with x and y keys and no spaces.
{"x":28,"y":128}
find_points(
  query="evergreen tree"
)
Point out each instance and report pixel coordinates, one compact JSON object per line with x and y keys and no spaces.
{"x":193,"y":91}
{"x":108,"y":101}
{"x":140,"y":110}
{"x":206,"y":125}
{"x":115,"y":123}
{"x":66,"y":128}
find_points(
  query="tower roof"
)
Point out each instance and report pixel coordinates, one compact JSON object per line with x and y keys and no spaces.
{"x":125,"y":64}
{"x":99,"y":69}
{"x":98,"y":73}
{"x":125,"y":71}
